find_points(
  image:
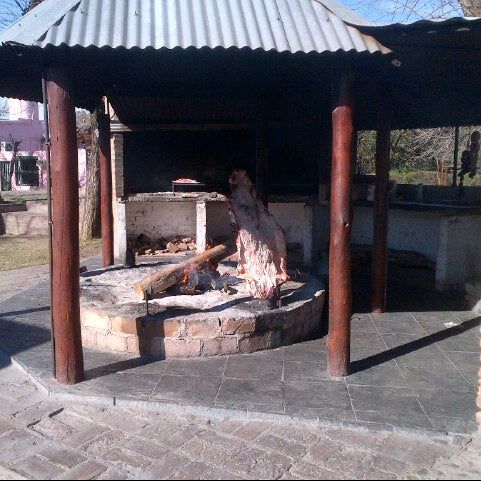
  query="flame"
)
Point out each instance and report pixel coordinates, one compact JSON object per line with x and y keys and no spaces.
{"x":185,"y":279}
{"x":205,"y":267}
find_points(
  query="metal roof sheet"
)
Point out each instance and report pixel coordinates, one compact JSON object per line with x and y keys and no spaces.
{"x":281,"y":25}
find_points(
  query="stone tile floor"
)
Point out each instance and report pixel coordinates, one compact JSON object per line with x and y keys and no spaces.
{"x":42,"y":438}
{"x":410,"y":370}
{"x":420,"y":378}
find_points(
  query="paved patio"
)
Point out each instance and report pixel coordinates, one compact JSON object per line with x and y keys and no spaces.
{"x":411,"y":371}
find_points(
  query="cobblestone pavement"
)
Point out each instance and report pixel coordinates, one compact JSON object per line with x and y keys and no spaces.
{"x":45,"y":439}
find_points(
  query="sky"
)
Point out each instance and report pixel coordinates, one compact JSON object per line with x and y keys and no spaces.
{"x":376,"y":11}
{"x":381,"y":10}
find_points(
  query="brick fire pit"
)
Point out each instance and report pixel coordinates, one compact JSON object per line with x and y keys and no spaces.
{"x":211,"y":323}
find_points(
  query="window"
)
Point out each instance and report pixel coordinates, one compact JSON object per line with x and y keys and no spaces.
{"x":27,"y":171}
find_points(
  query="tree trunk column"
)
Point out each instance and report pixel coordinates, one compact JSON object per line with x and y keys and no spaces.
{"x":381,"y":208}
{"x":105,"y":161}
{"x":65,"y":307}
{"x":340,"y":294}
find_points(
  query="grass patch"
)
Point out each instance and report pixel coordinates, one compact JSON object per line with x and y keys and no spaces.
{"x":17,"y":252}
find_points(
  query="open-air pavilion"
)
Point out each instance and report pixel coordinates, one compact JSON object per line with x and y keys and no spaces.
{"x":253,"y":70}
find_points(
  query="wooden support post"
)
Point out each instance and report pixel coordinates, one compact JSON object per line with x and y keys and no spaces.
{"x":340,"y":293}
{"x":262,"y":164}
{"x":381,"y":208}
{"x":65,"y":307}
{"x":105,"y":161}
{"x":456,"y":156}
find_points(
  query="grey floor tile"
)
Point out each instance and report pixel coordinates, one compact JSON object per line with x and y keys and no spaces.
{"x":306,"y":351}
{"x":396,"y":317}
{"x":247,"y":392}
{"x":464,"y":361}
{"x":455,"y":425}
{"x":440,"y":403}
{"x":402,"y":327}
{"x":267,"y":355}
{"x":254,"y":368}
{"x":367,"y":339}
{"x":398,"y":339}
{"x":306,"y":371}
{"x":126,"y":385}
{"x":439,"y":317}
{"x":466,"y":315}
{"x":465,"y":342}
{"x":145,"y":367}
{"x":446,"y":378}
{"x":98,"y":359}
{"x":325,"y":394}
{"x":429,"y":356}
{"x":362,"y":323}
{"x":307,"y":391}
{"x":380,"y":376}
{"x":439,"y":329}
{"x":384,"y":399}
{"x":212,"y":367}
{"x":397,"y":419}
{"x":472,"y":376}
{"x":187,"y":389}
{"x":363,"y":353}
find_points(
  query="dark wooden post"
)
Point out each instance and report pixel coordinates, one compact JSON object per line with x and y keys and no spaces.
{"x":340,"y":294}
{"x":262,"y":163}
{"x":69,"y":366}
{"x":381,"y":208}
{"x":456,"y":156}
{"x":105,"y":161}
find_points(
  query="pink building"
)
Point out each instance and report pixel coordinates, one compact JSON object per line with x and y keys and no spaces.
{"x":24,"y":124}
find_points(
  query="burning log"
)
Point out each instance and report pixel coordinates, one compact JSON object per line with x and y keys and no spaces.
{"x":260,"y":243}
{"x":162,"y":280}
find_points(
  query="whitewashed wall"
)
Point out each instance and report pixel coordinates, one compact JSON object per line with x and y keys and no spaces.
{"x":453,"y":243}
{"x":459,"y":255}
{"x":160,"y":219}
{"x":163,"y":219}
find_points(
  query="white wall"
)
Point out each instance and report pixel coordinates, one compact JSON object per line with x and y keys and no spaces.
{"x":453,"y":243}
{"x":459,"y":257}
{"x":291,"y":217}
{"x":408,"y":230}
{"x":160,"y":219}
{"x":218,"y":219}
{"x":164,"y":219}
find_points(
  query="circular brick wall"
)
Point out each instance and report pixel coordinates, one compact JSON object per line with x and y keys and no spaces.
{"x":236,"y":325}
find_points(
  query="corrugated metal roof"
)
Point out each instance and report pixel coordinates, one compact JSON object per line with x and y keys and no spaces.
{"x":281,"y":25}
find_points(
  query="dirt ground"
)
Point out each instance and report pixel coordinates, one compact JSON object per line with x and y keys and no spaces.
{"x":23,"y":251}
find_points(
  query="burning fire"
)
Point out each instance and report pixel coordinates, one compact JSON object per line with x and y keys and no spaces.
{"x":185,"y":279}
{"x":191,"y":275}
